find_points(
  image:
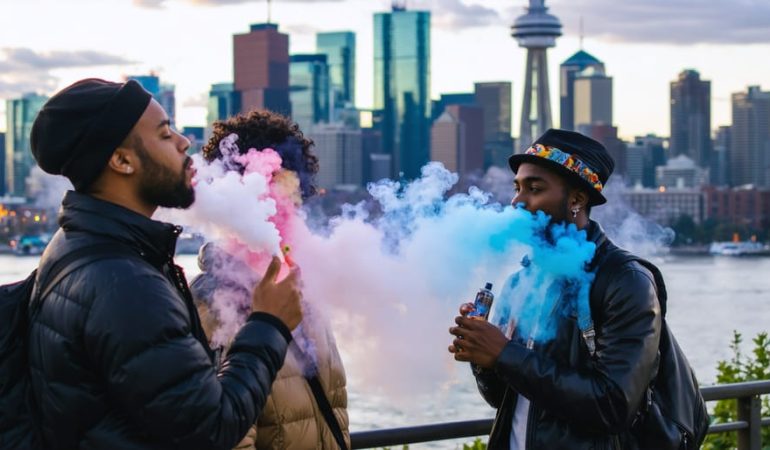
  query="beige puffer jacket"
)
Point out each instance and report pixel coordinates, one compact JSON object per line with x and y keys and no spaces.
{"x":291,"y":419}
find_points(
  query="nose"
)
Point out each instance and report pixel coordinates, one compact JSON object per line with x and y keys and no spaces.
{"x":184,"y":143}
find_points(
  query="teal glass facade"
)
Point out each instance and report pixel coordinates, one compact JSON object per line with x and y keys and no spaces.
{"x":20,"y":115}
{"x":340,"y":50}
{"x":309,"y":89}
{"x":402,"y":87}
{"x":224,"y":102}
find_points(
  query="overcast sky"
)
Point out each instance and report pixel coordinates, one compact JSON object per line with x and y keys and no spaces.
{"x":47,"y":44}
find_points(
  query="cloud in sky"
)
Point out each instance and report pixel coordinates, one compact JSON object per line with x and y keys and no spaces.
{"x":446,"y":14}
{"x":160,"y":3}
{"x":28,"y":59}
{"x":681,"y":22}
{"x":453,"y":14}
{"x":25,"y":70}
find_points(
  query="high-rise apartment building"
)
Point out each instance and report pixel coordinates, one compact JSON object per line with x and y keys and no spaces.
{"x":402,"y":87}
{"x":750,"y":138}
{"x":495,"y":100}
{"x":691,"y":117}
{"x":340,"y":156}
{"x":593,"y":97}
{"x":457,"y":139}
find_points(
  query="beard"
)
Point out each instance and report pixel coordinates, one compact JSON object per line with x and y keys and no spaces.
{"x":162,"y":186}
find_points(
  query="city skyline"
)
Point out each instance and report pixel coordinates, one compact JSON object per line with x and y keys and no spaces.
{"x":189,"y":44}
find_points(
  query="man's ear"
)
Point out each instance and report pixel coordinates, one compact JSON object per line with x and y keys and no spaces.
{"x":123,"y":161}
{"x":578,"y":198}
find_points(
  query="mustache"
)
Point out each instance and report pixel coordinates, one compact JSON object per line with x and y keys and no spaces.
{"x":187,"y":163}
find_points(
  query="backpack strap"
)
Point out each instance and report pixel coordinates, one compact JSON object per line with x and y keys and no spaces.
{"x":615,"y":257}
{"x":326,"y":410}
{"x":75,"y":259}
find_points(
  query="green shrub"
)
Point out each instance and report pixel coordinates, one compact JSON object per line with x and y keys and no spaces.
{"x":740,"y":368}
{"x":478,"y":444}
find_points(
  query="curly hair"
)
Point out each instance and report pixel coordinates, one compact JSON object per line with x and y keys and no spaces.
{"x":262,"y":129}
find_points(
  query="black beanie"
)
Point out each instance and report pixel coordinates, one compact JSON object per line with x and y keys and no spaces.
{"x":79,"y":128}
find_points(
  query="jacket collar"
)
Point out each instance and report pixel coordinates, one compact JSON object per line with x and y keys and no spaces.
{"x":595,"y":233}
{"x":82,"y":212}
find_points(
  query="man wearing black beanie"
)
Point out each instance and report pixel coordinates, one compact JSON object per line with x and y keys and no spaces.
{"x":117,"y":355}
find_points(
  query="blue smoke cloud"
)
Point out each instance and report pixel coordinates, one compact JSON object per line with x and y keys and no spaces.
{"x":552,"y":283}
{"x":456,"y":238}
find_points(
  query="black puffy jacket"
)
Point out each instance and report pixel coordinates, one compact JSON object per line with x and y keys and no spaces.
{"x":117,"y":354}
{"x":576,"y":401}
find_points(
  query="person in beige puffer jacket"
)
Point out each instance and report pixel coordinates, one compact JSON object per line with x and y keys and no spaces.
{"x":291,"y":418}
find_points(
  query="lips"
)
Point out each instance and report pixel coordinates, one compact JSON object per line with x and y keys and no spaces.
{"x":190,"y":170}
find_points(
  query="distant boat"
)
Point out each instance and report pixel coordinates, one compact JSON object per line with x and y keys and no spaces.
{"x":741,"y":248}
{"x":29,"y":245}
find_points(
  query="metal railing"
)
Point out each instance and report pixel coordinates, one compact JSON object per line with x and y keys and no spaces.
{"x":749,"y":424}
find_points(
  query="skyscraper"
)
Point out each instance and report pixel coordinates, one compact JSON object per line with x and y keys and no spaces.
{"x":340,"y":50}
{"x":2,"y":163}
{"x":593,"y":97}
{"x":457,"y":139}
{"x":643,"y":156}
{"x":20,"y":114}
{"x":568,"y":71}
{"x":494,"y":98}
{"x":536,"y":31}
{"x":261,"y":68}
{"x":719,"y":172}
{"x":224,"y":101}
{"x":402,"y":87}
{"x":750,"y":138}
{"x":309,"y":89}
{"x":340,"y":156}
{"x":691,"y":117}
{"x":608,"y":136}
{"x":163,"y":93}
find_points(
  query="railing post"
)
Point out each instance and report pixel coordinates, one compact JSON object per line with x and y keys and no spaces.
{"x":750,"y":411}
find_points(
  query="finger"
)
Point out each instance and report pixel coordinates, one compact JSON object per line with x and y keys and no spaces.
{"x":457,"y":331}
{"x":466,"y":322}
{"x":462,"y":345}
{"x":453,"y":349}
{"x":272,"y":270}
{"x":462,"y":356}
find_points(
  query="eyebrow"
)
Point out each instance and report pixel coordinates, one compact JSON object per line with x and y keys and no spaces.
{"x":164,"y":123}
{"x":530,"y":179}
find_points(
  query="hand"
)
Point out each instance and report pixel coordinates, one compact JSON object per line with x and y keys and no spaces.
{"x":478,"y":341}
{"x":279,"y":299}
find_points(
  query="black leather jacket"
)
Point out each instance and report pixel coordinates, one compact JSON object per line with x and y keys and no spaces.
{"x":578,"y":401}
{"x":117,"y":355}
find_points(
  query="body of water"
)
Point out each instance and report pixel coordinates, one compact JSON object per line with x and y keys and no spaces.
{"x":709,"y":297}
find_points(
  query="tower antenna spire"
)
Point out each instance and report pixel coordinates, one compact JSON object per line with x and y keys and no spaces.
{"x":536,"y":31}
{"x":269,"y":11}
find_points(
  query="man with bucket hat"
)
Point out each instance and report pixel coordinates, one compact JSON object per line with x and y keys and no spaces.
{"x":118,"y":358}
{"x":581,"y":390}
